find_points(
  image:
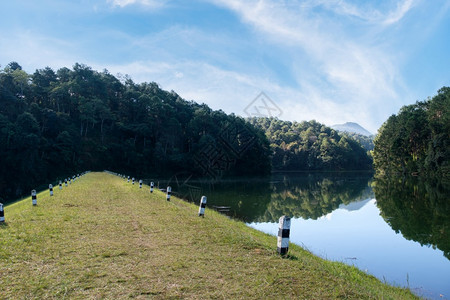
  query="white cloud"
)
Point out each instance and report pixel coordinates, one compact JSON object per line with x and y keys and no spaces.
{"x":199,"y":81}
{"x":345,"y":80}
{"x":336,"y":73}
{"x":233,"y":91}
{"x":147,"y":3}
{"x":399,"y":13}
{"x":346,"y":70}
{"x":365,"y":11}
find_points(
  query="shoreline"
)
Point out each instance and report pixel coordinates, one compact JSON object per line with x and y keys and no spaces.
{"x":104,"y":237}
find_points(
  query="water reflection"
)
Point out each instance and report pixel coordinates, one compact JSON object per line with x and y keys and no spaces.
{"x":314,"y":195}
{"x":243,"y":199}
{"x":419,"y":210}
{"x":336,"y":216}
{"x":309,"y":196}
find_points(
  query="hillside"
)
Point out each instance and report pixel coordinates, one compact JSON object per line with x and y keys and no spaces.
{"x":309,"y":146}
{"x":104,"y":238}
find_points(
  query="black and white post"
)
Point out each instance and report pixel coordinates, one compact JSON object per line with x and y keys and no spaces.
{"x":60,"y":185}
{"x":169,"y":191}
{"x":152,"y":185}
{"x":128,"y":180}
{"x":50,"y":187}
{"x":65,"y":182}
{"x":201,"y":209}
{"x":2,"y":214}
{"x":133,"y":180}
{"x":33,"y":197}
{"x":283,"y":235}
{"x":140,"y":183}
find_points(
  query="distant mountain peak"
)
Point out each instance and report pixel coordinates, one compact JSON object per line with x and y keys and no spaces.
{"x":352,"y":127}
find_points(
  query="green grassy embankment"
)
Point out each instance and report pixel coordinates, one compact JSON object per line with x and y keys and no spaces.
{"x":104,"y":238}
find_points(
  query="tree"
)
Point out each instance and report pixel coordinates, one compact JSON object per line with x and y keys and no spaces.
{"x":310,"y":146}
{"x":88,"y":120}
{"x":416,"y":139}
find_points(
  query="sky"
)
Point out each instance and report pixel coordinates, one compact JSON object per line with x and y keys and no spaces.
{"x":333,"y":61}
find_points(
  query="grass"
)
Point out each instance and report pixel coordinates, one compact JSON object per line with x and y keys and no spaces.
{"x":104,"y":238}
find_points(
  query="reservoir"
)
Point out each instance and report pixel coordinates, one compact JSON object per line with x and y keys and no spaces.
{"x":396,"y":229}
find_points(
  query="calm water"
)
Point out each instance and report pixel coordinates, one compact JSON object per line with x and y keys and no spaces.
{"x":398,"y":231}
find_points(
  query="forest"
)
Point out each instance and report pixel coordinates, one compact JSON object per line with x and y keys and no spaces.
{"x":54,"y":124}
{"x":365,"y":141}
{"x":311,"y":146}
{"x":57,"y":123}
{"x":416,"y":140}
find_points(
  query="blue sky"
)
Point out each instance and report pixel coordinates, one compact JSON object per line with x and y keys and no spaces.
{"x":329,"y":60}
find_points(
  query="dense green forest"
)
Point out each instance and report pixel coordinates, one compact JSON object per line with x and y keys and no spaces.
{"x":57,"y":123}
{"x":365,"y":141}
{"x":53,"y":124}
{"x":416,"y":140}
{"x":311,"y":146}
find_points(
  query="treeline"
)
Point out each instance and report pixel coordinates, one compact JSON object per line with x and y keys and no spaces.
{"x":365,"y":141}
{"x":311,"y":146}
{"x":416,"y":140}
{"x":57,"y":123}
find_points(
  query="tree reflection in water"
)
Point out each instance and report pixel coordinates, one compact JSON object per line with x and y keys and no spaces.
{"x":418,"y":209}
{"x":315,"y":195}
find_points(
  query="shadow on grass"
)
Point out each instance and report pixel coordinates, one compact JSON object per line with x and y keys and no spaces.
{"x":290,"y":257}
{"x":3,"y":225}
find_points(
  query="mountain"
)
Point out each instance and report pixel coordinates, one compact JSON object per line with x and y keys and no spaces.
{"x":352,"y":128}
